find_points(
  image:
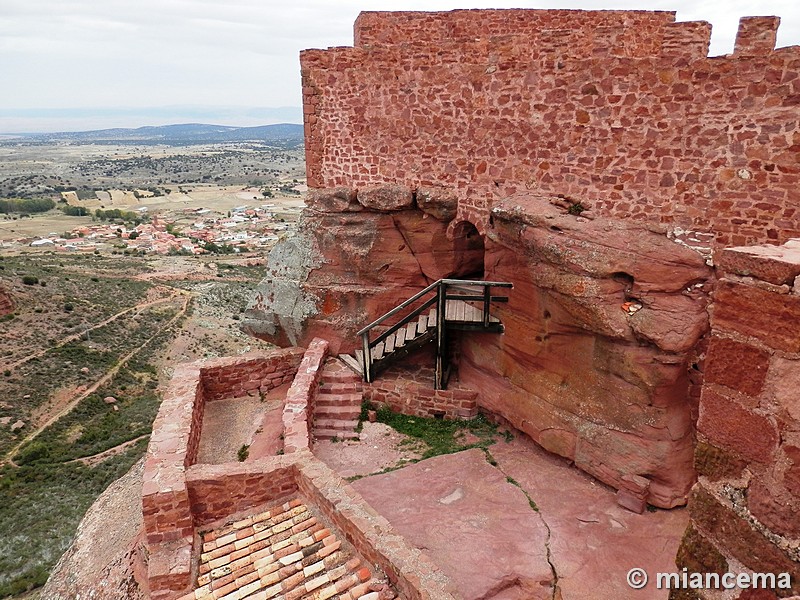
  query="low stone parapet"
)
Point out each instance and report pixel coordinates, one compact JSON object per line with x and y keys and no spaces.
{"x":179,"y":498}
{"x":411,"y":393}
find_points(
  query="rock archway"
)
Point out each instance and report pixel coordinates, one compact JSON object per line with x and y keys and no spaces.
{"x":469,"y":251}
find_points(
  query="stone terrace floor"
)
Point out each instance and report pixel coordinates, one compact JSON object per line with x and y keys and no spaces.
{"x":511,"y":531}
{"x":282,"y":553}
{"x":229,"y":424}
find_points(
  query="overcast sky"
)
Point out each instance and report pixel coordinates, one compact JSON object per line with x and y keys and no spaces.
{"x":81,"y":64}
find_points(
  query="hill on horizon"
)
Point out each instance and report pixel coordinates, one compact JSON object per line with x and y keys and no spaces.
{"x":283,"y":134}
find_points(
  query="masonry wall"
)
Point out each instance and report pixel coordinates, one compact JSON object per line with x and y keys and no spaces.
{"x":179,"y":497}
{"x":744,"y":509}
{"x":403,"y":394}
{"x":620,"y":110}
{"x":298,"y":411}
{"x":170,"y":511}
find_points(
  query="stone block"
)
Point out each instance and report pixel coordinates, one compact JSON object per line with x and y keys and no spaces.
{"x":736,"y":365}
{"x":334,"y":200}
{"x":631,"y":501}
{"x":716,"y":463}
{"x":774,"y":264}
{"x":729,"y":426}
{"x":386,"y":197}
{"x":774,"y":507}
{"x":698,"y":555}
{"x":438,"y":202}
{"x":737,"y":538}
{"x":768,"y":316}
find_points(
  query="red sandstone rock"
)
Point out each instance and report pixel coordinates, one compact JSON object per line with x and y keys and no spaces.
{"x":7,"y":304}
{"x":439,"y":202}
{"x":386,"y":197}
{"x":333,"y":200}
{"x":483,"y":541}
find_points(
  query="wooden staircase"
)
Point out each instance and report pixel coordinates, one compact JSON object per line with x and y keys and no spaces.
{"x":337,"y":405}
{"x":444,"y":305}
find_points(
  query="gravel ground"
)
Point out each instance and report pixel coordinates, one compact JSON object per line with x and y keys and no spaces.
{"x":228,"y":424}
{"x":379,"y":448}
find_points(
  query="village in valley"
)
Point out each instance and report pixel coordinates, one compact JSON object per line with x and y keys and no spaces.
{"x":156,"y":196}
{"x":201,"y":230}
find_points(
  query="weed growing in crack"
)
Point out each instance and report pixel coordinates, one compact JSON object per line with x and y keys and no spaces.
{"x":243,"y":452}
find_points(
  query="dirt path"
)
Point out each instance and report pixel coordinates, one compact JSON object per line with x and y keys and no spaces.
{"x":66,"y":408}
{"x":76,"y":336}
{"x":92,"y":460}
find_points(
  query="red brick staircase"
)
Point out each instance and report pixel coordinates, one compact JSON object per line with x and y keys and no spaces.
{"x":338,"y":402}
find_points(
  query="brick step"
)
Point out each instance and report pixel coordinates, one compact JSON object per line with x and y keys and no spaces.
{"x":329,"y":434}
{"x":343,"y":375}
{"x":338,"y":399}
{"x":340,"y":386}
{"x":339,"y":412}
{"x":336,"y":424}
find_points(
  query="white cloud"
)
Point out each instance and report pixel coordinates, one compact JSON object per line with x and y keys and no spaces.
{"x":88,"y":53}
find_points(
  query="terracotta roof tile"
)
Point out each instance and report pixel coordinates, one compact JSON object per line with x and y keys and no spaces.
{"x":279,"y":554}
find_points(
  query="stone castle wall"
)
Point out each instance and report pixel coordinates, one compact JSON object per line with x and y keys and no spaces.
{"x":744,"y":509}
{"x":619,"y":110}
{"x":167,"y":501}
{"x":180,"y":498}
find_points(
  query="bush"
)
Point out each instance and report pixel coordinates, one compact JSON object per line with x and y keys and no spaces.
{"x":68,"y":307}
{"x":30,"y":280}
{"x":243,"y":453}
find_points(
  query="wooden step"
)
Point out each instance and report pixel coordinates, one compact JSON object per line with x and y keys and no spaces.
{"x":388,"y":344}
{"x":432,"y":318}
{"x":377,"y":352}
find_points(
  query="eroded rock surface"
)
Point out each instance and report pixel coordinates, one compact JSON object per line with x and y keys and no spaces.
{"x":100,"y":562}
{"x":478,"y":527}
{"x":601,"y":328}
{"x":345,"y":268}
{"x":6,"y":303}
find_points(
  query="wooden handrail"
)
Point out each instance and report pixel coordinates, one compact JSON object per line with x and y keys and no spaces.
{"x":405,"y":321}
{"x":400,"y":307}
{"x":440,"y":299}
{"x":472,"y":282}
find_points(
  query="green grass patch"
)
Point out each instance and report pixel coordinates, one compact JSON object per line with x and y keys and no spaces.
{"x":40,"y":508}
{"x":441,"y":436}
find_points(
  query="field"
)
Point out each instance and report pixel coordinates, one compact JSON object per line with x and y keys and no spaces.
{"x":156,"y":179}
{"x":92,"y":329}
{"x":94,"y":336}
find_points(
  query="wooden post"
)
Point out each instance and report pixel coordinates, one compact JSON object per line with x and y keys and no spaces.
{"x":367,"y":357}
{"x":487,"y":299}
{"x":441,"y":339}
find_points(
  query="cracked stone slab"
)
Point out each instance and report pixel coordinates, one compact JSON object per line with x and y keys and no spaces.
{"x":594,"y":542}
{"x":476,"y":525}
